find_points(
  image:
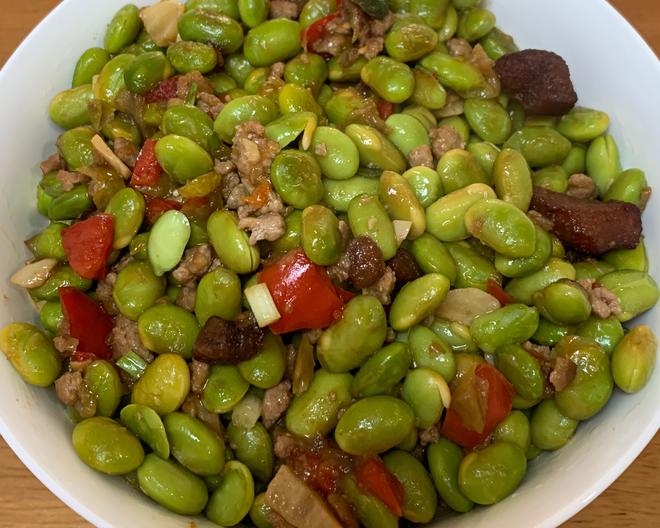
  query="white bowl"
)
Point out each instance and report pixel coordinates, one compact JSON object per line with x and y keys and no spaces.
{"x":612,"y":69}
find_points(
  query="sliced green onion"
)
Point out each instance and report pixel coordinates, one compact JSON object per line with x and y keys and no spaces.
{"x":262,"y":304}
{"x":132,"y":364}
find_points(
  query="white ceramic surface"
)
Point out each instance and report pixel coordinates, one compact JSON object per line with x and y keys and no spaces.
{"x":612,"y":69}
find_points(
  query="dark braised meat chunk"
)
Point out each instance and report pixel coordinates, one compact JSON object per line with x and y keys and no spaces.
{"x":404,"y":266}
{"x":230,"y":342}
{"x":591,"y":227}
{"x":366,"y":262}
{"x":539,"y":79}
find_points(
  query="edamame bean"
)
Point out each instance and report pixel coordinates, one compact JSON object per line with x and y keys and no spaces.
{"x":417,"y":299}
{"x":426,"y":184}
{"x":409,"y":41}
{"x":512,"y":179}
{"x":374,"y":425}
{"x":540,"y":145}
{"x":103,"y":381}
{"x":633,"y":359}
{"x":106,"y":446}
{"x":224,"y":389}
{"x":247,"y":108}
{"x":293,"y":98}
{"x":522,"y":370}
{"x":430,"y":351}
{"x":488,"y":119}
{"x":69,"y":109}
{"x":339,"y":194}
{"x":475,"y":23}
{"x":419,"y":499}
{"x":592,"y":269}
{"x":382,"y":371}
{"x":521,"y":266}
{"x":582,"y":125}
{"x":444,"y":458}
{"x":321,"y":238}
{"x":602,"y":162}
{"x":272,"y":41}
{"x":51,"y":316}
{"x":428,"y":91}
{"x":296,"y":176}
{"x":496,"y":44}
{"x":564,"y":302}
{"x":549,"y":334}
{"x":473,"y":270}
{"x":31,"y":353}
{"x":215,"y":28}
{"x":522,"y":288}
{"x":335,"y":153}
{"x":628,"y":186}
{"x":637,"y":291}
{"x":191,"y":122}
{"x":254,"y":448}
{"x":194,"y":445}
{"x":361,"y":331}
{"x":72,"y":204}
{"x":511,"y":324}
{"x":218,"y":294}
{"x":60,"y":277}
{"x":127,"y":207}
{"x":267,"y":367}
{"x":453,"y":72}
{"x":427,"y":393}
{"x":172,"y":485}
{"x":232,"y":499}
{"x":226,"y":7}
{"x":492,"y":474}
{"x":123,"y":29}
{"x":167,"y":241}
{"x":606,"y":332}
{"x":164,"y":384}
{"x":406,"y":133}
{"x":550,"y":428}
{"x":485,"y":153}
{"x":371,"y":512}
{"x":111,"y":80}
{"x":286,"y":129}
{"x":168,"y":329}
{"x":231,"y":243}
{"x":146,"y":71}
{"x":632,"y":259}
{"x":433,"y":257}
{"x":390,"y":79}
{"x":401,"y":203}
{"x":514,"y":429}
{"x":307,"y":69}
{"x":459,"y":169}
{"x":75,"y":145}
{"x":182,"y":158}
{"x":376,"y":151}
{"x":368,"y":216}
{"x":259,"y":512}
{"x":145,"y":423}
{"x":575,"y":162}
{"x":89,"y":64}
{"x":48,"y":243}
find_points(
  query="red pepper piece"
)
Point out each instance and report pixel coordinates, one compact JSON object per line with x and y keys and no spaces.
{"x":163,"y":91}
{"x":87,"y":245}
{"x":303,"y":293}
{"x":374,"y":478}
{"x":315,"y":31}
{"x":259,"y":196}
{"x":385,"y":108}
{"x":495,"y":289}
{"x":147,"y":170}
{"x":155,"y":207}
{"x":88,"y":323}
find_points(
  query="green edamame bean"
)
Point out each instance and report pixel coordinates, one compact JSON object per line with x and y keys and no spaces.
{"x":165,"y":328}
{"x":286,"y":128}
{"x":368,"y":216}
{"x":473,"y":270}
{"x":194,"y":445}
{"x":444,"y":458}
{"x":522,"y":288}
{"x":485,"y":153}
{"x":89,"y":64}
{"x":231,"y":243}
{"x":272,"y":41}
{"x":233,"y":498}
{"x":459,"y":169}
{"x":222,"y":82}
{"x":382,"y":371}
{"x":592,"y":386}
{"x":453,"y":72}
{"x":521,"y":266}
{"x":409,"y":41}
{"x":606,"y":332}
{"x":575,"y":162}
{"x":475,"y":23}
{"x":186,"y":56}
{"x":428,"y":91}
{"x":146,"y":71}
{"x":511,"y":324}
{"x":361,"y":331}
{"x":549,"y":334}
{"x":315,"y":10}
{"x":492,"y":474}
{"x":60,"y":277}
{"x":564,"y":302}
{"x":221,"y":31}
{"x":224,"y":389}
{"x":433,"y":257}
{"x":266,"y":369}
{"x":342,"y":106}
{"x":406,"y":133}
{"x":426,"y":184}
{"x":191,"y":122}
{"x":315,"y":411}
{"x":182,"y":158}
{"x":374,"y":425}
{"x":51,"y":316}
{"x":225,"y":7}
{"x":254,"y":448}
{"x":522,"y":370}
{"x":321,"y":238}
{"x":512,"y":178}
{"x":550,"y":428}
{"x":632,"y":259}
{"x":339,"y":194}
{"x":111,"y":80}
{"x":31,"y":353}
{"x":69,"y":108}
{"x":628,"y":186}
{"x":637,"y":291}
{"x":291,"y":238}
{"x":420,"y":501}
{"x":72,"y":204}
{"x":296,"y":176}
{"x":496,"y":44}
{"x":167,"y":241}
{"x":335,"y":153}
{"x":448,"y":29}
{"x":138,"y":246}
{"x":371,"y":512}
{"x":218,"y":294}
{"x":633,"y":359}
{"x":307,"y":69}
{"x":259,"y":512}
{"x":103,"y":381}
{"x":422,"y":114}
{"x":145,"y":423}
{"x":602,"y":162}
{"x":48,"y":243}
{"x":123,"y":29}
{"x":430,"y":351}
{"x":127,"y":208}
{"x":376,"y":151}
{"x":75,"y":145}
{"x":238,"y":67}
{"x":426,"y":392}
{"x":253,"y":12}
{"x":136,"y":289}
{"x":338,"y":72}
{"x":164,"y":384}
{"x":582,"y":125}
{"x":295,"y":98}
{"x":540,"y":145}
{"x":417,"y":299}
{"x":401,"y":203}
{"x":514,"y":429}
{"x":106,"y":446}
{"x":172,"y":485}
{"x":433,"y":12}
{"x":488,"y":119}
{"x":592,"y":269}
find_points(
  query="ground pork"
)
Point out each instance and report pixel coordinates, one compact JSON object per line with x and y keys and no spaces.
{"x":429,"y":436}
{"x":453,"y":107}
{"x":210,"y":104}
{"x":320,"y":150}
{"x":342,"y":510}
{"x":286,"y":8}
{"x":72,"y":391}
{"x":542,"y":221}
{"x":65,"y":344}
{"x":562,"y":373}
{"x":185,"y":82}
{"x":444,"y":139}
{"x":604,"y":303}
{"x":194,"y":407}
{"x":275,"y":403}
{"x":253,"y":153}
{"x":104,"y":290}
{"x":195,"y":263}
{"x":126,"y":151}
{"x":53,"y":163}
{"x":199,"y":373}
{"x":70,"y":179}
{"x":284,"y":443}
{"x":383,"y":288}
{"x":124,"y":338}
{"x":421,"y":156}
{"x":581,"y":186}
{"x":459,"y":47}
{"x":186,"y":296}
{"x":270,"y":226}
{"x":339,"y":272}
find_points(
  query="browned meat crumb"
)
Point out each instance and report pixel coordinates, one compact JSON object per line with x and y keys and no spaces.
{"x":185,"y":82}
{"x":404,"y":266}
{"x":72,"y":391}
{"x":186,"y":296}
{"x":270,"y":226}
{"x":125,"y":338}
{"x":320,"y":150}
{"x":273,"y":205}
{"x":228,"y":341}
{"x":459,"y":47}
{"x":194,"y":407}
{"x":226,"y":168}
{"x":65,"y":344}
{"x":284,"y":443}
{"x":429,"y":436}
{"x":604,"y":303}
{"x":53,"y":163}
{"x":453,"y":106}
{"x":126,"y":151}
{"x":284,"y":9}
{"x":342,"y":509}
{"x":444,"y":139}
{"x":70,"y":179}
{"x":253,"y":153}
{"x":421,"y":156}
{"x":563,"y":373}
{"x":209,"y":104}
{"x":194,"y":264}
{"x":313,"y":335}
{"x":104,"y":290}
{"x":540,"y":220}
{"x":275,"y":403}
{"x":581,"y":186}
{"x":339,"y":272}
{"x":199,"y":373}
{"x":383,"y":288}
{"x":366,"y":264}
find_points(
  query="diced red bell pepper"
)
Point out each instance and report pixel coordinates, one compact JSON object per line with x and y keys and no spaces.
{"x":88,"y":243}
{"x":385,"y":108}
{"x":88,"y":323}
{"x":155,"y":207}
{"x":303,"y":293}
{"x":374,"y":478}
{"x":259,"y":196}
{"x":498,"y":407}
{"x":316,"y":30}
{"x":163,"y":91}
{"x":147,"y":170}
{"x":495,"y":289}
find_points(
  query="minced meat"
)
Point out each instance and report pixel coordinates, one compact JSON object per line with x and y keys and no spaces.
{"x":228,"y":341}
{"x":124,"y":338}
{"x":194,"y":264}
{"x":444,"y":139}
{"x":275,"y":403}
{"x":253,"y":153}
